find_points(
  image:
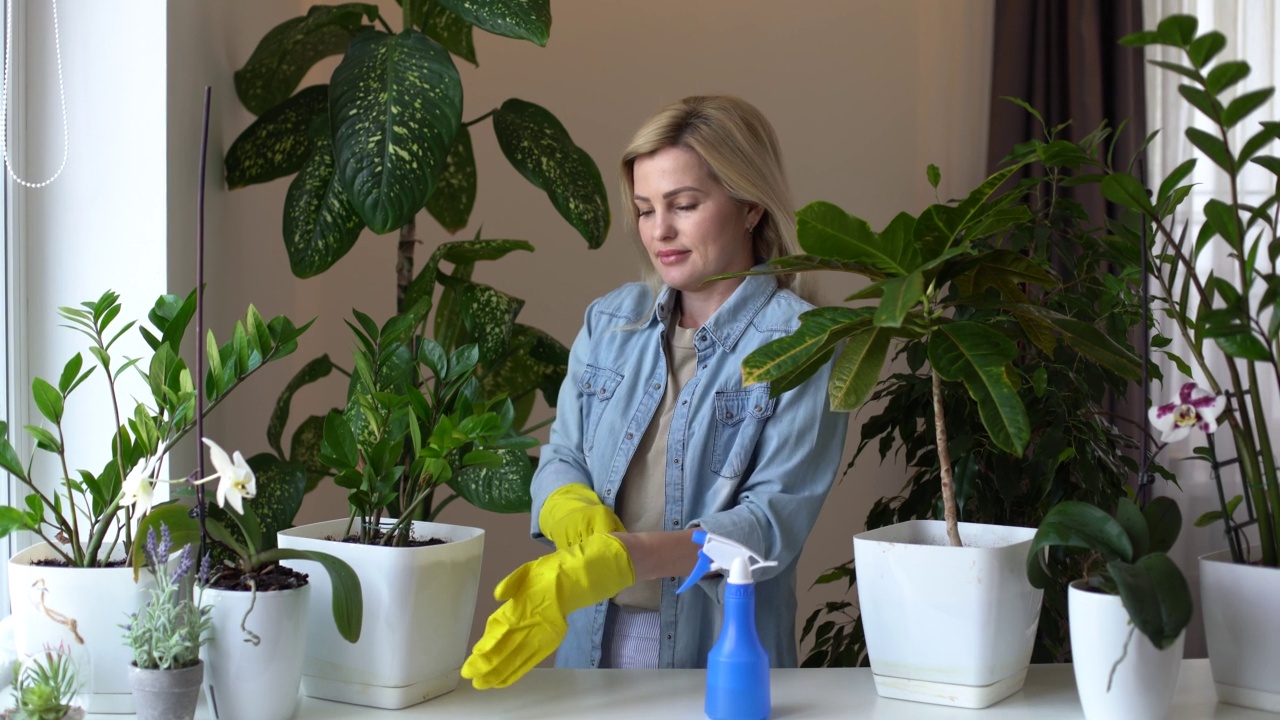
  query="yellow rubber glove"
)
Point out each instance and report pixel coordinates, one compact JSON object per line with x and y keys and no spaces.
{"x":573,"y":513}
{"x":536,"y":599}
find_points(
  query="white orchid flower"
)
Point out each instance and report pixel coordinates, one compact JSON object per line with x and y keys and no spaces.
{"x":236,"y":482}
{"x":1194,"y":408}
{"x":138,"y":491}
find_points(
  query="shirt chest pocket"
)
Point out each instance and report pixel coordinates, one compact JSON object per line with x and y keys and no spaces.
{"x":597,"y":386}
{"x":740,"y":416}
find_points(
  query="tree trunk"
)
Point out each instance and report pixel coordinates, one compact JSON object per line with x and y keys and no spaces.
{"x":949,"y":511}
{"x":404,"y":263}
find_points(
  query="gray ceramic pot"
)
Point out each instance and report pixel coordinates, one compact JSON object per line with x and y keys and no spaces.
{"x":166,"y":694}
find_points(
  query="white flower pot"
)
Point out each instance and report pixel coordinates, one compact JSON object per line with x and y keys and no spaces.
{"x":49,"y":601}
{"x":1144,"y":677}
{"x":1242,"y":629}
{"x":947,"y":625}
{"x":243,"y":680}
{"x":418,"y":607}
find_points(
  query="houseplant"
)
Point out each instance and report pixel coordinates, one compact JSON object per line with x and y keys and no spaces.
{"x":49,"y":685}
{"x":166,"y":635}
{"x":1129,"y":585}
{"x":1227,"y":322}
{"x":258,"y":606}
{"x":951,"y":293}
{"x":406,"y":391}
{"x":385,"y":138}
{"x":1075,"y":450}
{"x":80,"y":574}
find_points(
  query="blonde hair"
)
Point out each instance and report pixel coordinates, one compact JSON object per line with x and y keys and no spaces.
{"x":740,"y":148}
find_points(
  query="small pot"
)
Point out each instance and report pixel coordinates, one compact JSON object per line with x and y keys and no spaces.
{"x":166,"y":694}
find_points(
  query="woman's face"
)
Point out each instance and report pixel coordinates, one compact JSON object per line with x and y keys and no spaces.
{"x":690,"y":227}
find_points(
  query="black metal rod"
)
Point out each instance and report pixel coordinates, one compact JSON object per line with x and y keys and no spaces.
{"x":200,"y":474}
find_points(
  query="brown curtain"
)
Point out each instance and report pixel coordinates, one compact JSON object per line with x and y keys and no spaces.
{"x":1063,"y":58}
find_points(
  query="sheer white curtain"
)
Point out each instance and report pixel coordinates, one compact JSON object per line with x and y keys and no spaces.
{"x":1251,"y":28}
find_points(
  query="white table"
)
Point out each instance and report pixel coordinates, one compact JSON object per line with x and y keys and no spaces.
{"x":1049,"y":694}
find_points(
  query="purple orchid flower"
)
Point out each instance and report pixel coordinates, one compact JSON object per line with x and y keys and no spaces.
{"x":1194,"y":408}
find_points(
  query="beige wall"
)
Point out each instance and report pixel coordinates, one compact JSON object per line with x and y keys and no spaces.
{"x":863,"y":94}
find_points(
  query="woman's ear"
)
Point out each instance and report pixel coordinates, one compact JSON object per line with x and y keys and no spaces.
{"x":754,"y":213}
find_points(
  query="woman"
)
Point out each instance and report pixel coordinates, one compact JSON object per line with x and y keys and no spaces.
{"x":655,"y":434}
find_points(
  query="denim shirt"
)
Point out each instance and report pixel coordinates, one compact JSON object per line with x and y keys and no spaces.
{"x":739,"y":464}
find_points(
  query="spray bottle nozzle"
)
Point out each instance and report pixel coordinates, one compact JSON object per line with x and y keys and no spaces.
{"x":720,"y":553}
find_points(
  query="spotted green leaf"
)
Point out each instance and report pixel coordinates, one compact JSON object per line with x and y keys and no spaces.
{"x":455,"y":194}
{"x":395,"y":105}
{"x":311,"y":372}
{"x":281,"y":486}
{"x":450,"y":30}
{"x":276,"y":144}
{"x":458,"y":252}
{"x":521,"y":19}
{"x":320,"y":225}
{"x":503,"y":489}
{"x":304,"y":450}
{"x":535,"y":362}
{"x":978,"y":356}
{"x":488,"y":315}
{"x":537,"y":145}
{"x":287,"y":52}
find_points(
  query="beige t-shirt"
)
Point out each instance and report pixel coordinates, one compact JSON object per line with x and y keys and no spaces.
{"x":642,"y":496}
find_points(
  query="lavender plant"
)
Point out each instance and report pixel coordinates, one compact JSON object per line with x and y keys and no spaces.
{"x":166,"y":634}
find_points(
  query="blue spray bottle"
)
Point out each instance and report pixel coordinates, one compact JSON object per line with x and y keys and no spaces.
{"x":738,"y":666}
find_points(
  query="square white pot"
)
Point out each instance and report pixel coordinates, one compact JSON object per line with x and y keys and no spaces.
{"x":947,"y":625}
{"x":48,"y":601}
{"x":418,"y":606}
{"x":1242,"y":630}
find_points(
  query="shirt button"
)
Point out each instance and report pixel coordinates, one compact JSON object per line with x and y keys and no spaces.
{"x":669,"y":636}
{"x":586,"y":386}
{"x":630,"y":435}
{"x":608,"y":493}
{"x":656,"y":386}
{"x":684,"y":402}
{"x":702,"y":336}
{"x":757,"y":407}
{"x":602,"y":394}
{"x":704,"y":366}
{"x":675,"y":523}
{"x":672,"y":580}
{"x":728,"y":415}
{"x":676,"y":461}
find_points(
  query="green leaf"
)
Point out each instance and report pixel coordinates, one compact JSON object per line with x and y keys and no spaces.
{"x":1202,"y":101}
{"x":395,"y":105}
{"x":1156,"y":596}
{"x":1135,"y":526}
{"x":820,"y":329}
{"x":70,"y":372}
{"x":1072,"y":523}
{"x":348,"y":599}
{"x":340,"y":441}
{"x":1208,"y":518}
{"x":1243,"y":344}
{"x":829,"y":232}
{"x":536,"y":362}
{"x":287,"y":52}
{"x":1178,"y":30}
{"x":12,"y":519}
{"x":310,"y":373}
{"x":1226,"y":74}
{"x":183,"y":530}
{"x":1164,"y":522}
{"x":538,"y":146}
{"x":1242,"y":106}
{"x":276,"y":144}
{"x":503,"y":489}
{"x":304,"y":450}
{"x":1212,"y":146}
{"x":1126,"y":190}
{"x":857,"y":369}
{"x":520,"y":19}
{"x":451,"y":31}
{"x":45,"y":440}
{"x":1094,"y":344}
{"x":1182,"y":70}
{"x":488,"y":314}
{"x":1175,"y":178}
{"x":281,"y":486}
{"x":1269,"y":162}
{"x":978,"y":356}
{"x":934,"y":175}
{"x":899,"y":296}
{"x":8,"y":457}
{"x":1205,"y":48}
{"x":455,"y":194}
{"x":1224,"y":221}
{"x":48,"y":400}
{"x":320,"y":224}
